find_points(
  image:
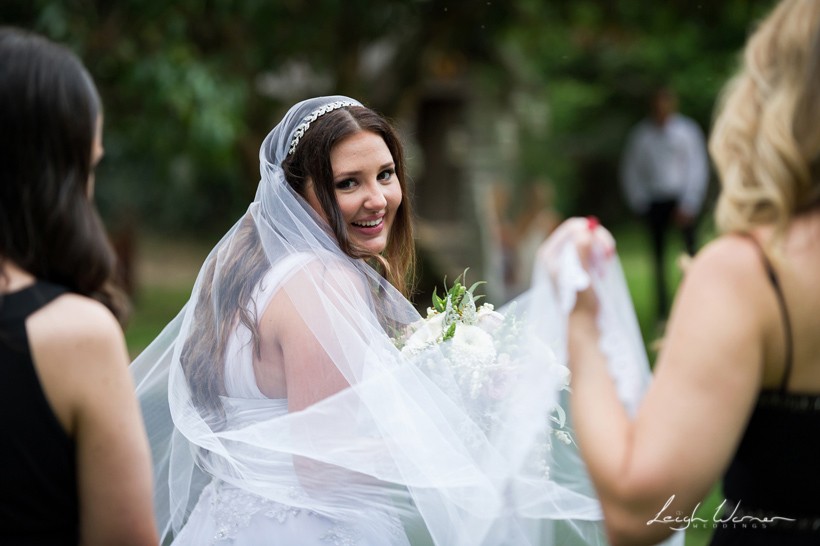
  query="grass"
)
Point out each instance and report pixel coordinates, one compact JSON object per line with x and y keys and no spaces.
{"x":154,"y":307}
{"x":167,"y":271}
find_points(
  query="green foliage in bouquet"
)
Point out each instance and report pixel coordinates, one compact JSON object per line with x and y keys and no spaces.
{"x":458,"y":304}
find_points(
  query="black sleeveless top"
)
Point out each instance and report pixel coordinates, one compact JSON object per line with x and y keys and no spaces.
{"x":38,"y":482}
{"x":775,"y":472}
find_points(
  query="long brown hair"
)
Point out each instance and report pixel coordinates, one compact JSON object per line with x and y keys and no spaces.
{"x":49,"y":110}
{"x":240,"y":263}
{"x":227,"y":284}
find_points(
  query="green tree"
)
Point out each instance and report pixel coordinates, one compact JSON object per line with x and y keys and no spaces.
{"x":190,"y":87}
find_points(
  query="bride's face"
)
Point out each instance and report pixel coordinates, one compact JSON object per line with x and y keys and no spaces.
{"x":367,"y":189}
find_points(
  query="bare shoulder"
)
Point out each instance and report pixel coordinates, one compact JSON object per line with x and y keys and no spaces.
{"x":325,"y":277}
{"x":729,"y":259}
{"x":726,"y":285}
{"x":78,"y":349}
{"x":75,"y":328}
{"x":81,"y":307}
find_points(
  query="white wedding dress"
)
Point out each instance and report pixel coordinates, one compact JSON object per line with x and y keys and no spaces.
{"x":227,"y":514}
{"x":415,"y":446}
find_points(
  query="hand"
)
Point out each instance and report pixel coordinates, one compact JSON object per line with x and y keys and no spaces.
{"x":593,"y":242}
{"x":594,"y":245}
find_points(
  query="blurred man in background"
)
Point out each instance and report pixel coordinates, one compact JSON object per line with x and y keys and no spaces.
{"x":664,"y":175}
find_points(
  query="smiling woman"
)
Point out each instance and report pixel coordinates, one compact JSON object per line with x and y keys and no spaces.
{"x":367,"y":189}
{"x":281,"y":312}
{"x":358,"y":187}
{"x":282,"y":408}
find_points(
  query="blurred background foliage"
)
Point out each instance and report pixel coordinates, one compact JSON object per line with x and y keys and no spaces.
{"x":192,"y":86}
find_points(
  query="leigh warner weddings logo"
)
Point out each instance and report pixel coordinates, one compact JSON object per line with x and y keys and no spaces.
{"x":680,"y":521}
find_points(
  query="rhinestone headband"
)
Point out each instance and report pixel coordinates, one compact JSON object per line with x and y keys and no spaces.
{"x":313,"y":116}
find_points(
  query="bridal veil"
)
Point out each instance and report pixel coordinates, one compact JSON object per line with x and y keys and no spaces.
{"x":489,"y":460}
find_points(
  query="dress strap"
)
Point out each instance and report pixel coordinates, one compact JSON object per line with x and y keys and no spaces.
{"x":781,"y":301}
{"x":24,"y":302}
{"x":16,"y":307}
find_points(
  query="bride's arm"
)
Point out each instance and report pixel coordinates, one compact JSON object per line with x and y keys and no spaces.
{"x":311,"y":374}
{"x":317,"y":322}
{"x":690,"y":423}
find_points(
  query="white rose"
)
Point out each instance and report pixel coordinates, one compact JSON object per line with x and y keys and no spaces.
{"x":426,"y":332}
{"x":488,"y":319}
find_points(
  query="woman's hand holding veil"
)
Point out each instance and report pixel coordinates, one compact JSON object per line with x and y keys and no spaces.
{"x":593,"y":246}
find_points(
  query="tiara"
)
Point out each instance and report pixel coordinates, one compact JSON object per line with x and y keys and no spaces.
{"x":313,"y":116}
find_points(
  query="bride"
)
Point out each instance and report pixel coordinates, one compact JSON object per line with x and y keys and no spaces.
{"x":298,"y":398}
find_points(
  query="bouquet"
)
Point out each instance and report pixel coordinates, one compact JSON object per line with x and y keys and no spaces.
{"x":477,"y":350}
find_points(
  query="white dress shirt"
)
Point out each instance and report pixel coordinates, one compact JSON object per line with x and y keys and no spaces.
{"x":665,"y":162}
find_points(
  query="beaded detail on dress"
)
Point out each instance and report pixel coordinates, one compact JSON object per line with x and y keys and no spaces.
{"x":233,"y":509}
{"x":340,"y":535}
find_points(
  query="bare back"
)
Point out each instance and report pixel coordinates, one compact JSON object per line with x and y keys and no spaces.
{"x":797,"y":263}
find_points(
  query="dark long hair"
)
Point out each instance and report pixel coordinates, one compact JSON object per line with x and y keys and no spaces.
{"x":242,"y":263}
{"x":49,"y":110}
{"x":228,"y":283}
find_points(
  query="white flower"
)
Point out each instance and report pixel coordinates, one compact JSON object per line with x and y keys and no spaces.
{"x":472,"y":340}
{"x":473,"y":354}
{"x":501,"y":378}
{"x":426,"y":332}
{"x":488,"y":319}
{"x":561,"y":373}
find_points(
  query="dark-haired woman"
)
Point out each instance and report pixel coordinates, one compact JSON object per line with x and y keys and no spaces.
{"x":74,"y":467}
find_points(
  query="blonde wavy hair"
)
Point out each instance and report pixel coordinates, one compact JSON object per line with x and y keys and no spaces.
{"x":766,"y":135}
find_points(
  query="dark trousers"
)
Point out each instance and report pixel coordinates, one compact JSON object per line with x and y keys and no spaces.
{"x":659,"y":218}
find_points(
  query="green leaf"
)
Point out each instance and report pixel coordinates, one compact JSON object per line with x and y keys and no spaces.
{"x":451,"y":331}
{"x":438,"y":303}
{"x":457,"y":295}
{"x":476,"y":285}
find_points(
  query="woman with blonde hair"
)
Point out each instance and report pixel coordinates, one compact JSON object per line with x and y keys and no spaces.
{"x":736,"y":391}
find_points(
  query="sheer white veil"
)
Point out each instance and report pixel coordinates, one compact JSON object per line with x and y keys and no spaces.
{"x":472,"y":468}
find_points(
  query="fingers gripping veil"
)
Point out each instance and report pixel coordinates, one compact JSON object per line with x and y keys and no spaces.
{"x":367,"y":432}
